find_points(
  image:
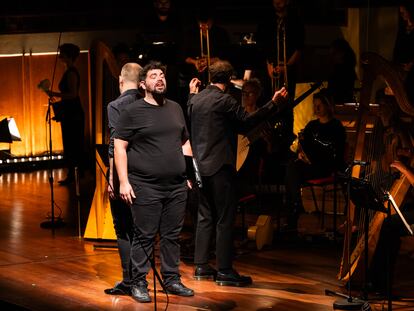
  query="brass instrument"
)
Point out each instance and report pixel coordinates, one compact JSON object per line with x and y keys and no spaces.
{"x":203,"y":62}
{"x":279,"y":79}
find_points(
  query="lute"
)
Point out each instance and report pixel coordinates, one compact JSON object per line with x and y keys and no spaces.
{"x":244,"y":141}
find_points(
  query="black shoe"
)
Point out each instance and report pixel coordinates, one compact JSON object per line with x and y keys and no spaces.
{"x":179,"y":289}
{"x":232,"y":279}
{"x":140,"y":292}
{"x":67,"y":181}
{"x":205,"y":272}
{"x":119,"y":289}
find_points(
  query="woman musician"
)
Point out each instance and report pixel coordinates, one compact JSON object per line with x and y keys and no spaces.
{"x":321,"y":152}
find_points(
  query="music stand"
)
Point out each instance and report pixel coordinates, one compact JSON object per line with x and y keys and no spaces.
{"x":8,"y":133}
{"x":364,"y":197}
{"x":348,"y":302}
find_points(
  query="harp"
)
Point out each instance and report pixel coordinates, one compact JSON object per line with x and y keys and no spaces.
{"x":105,"y":73}
{"x":374,"y":67}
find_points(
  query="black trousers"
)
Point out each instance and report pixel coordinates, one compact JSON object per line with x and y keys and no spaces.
{"x":388,"y":244}
{"x":157,"y":211}
{"x":124,"y":230}
{"x":217,"y":211}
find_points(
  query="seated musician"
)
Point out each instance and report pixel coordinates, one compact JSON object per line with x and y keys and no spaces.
{"x":249,"y":173}
{"x":320,"y":153}
{"x":397,"y":140}
{"x":391,"y":232}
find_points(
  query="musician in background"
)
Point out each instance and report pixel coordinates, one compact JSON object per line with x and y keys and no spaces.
{"x":389,"y":241}
{"x":197,"y":46}
{"x":321,"y":149}
{"x":342,"y":75}
{"x":403,"y":54}
{"x":216,"y":118}
{"x":280,"y":38}
{"x":160,"y":39}
{"x":250,"y":173}
{"x":121,"y":212}
{"x":69,"y":112}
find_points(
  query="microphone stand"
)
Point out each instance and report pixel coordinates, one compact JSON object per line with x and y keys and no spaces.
{"x":58,"y":222}
{"x":347,"y":302}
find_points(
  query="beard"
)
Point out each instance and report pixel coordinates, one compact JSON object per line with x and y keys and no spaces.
{"x":159,"y":94}
{"x":162,"y":92}
{"x":157,"y":91}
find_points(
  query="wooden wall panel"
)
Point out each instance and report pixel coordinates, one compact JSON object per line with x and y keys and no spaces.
{"x":21,"y":99}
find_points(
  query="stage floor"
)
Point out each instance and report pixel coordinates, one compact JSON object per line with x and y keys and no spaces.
{"x":41,"y":269}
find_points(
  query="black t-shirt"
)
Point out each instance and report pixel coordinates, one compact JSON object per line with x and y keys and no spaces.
{"x":155,"y":135}
{"x":114,"y":108}
{"x":324,"y":144}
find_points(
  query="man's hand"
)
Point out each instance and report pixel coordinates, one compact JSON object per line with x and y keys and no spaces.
{"x":111,"y":191}
{"x":194,"y":85}
{"x":282,"y":93}
{"x":126,"y":193}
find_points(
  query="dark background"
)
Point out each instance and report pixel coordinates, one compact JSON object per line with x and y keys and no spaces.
{"x":77,"y":15}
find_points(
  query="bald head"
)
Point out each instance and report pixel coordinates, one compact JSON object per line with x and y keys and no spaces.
{"x":129,"y":77}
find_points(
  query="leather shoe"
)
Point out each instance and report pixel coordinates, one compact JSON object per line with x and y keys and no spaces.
{"x":232,"y":278}
{"x":119,"y":289}
{"x":67,"y":181}
{"x":205,"y":272}
{"x":179,"y":289}
{"x":140,"y":293}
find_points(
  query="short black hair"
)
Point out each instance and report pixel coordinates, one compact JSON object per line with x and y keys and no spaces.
{"x":70,"y":50}
{"x":151,"y":66}
{"x":221,"y":72}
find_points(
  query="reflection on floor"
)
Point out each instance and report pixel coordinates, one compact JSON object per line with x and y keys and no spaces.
{"x":45,"y":269}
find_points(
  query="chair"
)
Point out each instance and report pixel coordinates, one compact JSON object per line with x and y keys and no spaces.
{"x":328,"y":184}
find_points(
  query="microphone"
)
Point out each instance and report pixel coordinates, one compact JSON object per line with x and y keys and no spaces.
{"x":197,"y":174}
{"x":362,"y":163}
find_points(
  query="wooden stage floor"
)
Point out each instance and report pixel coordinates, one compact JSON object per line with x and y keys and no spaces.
{"x":40,"y":270}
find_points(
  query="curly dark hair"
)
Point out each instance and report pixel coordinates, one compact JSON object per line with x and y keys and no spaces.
{"x":151,"y":66}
